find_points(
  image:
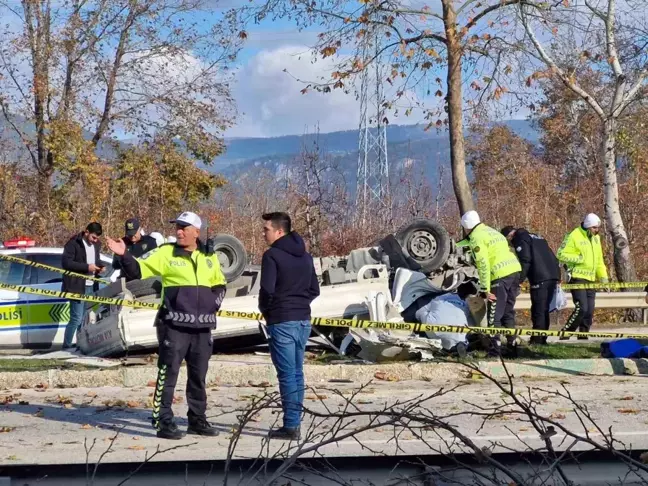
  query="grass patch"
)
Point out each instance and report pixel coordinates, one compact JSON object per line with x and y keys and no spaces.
{"x":327,"y":358}
{"x":525,"y":353}
{"x":551,"y":351}
{"x":38,"y":365}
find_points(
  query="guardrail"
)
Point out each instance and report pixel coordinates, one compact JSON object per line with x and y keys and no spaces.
{"x":604,"y":300}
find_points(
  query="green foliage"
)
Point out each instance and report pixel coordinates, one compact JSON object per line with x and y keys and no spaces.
{"x":153,"y":181}
{"x":80,"y":177}
{"x":14,"y":214}
{"x":164,"y":169}
{"x":160,"y":179}
{"x":80,"y":71}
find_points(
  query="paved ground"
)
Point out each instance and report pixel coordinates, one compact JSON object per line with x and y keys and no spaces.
{"x":54,"y":426}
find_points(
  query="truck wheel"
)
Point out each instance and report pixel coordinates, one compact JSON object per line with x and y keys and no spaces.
{"x":143,"y":288}
{"x":231,"y":255}
{"x":426,"y":242}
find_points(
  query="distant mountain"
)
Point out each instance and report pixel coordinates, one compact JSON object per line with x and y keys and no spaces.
{"x":338,"y":143}
{"x":428,"y":151}
{"x":15,"y":149}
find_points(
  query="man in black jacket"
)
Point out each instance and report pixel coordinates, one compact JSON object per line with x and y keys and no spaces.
{"x":81,"y":254}
{"x":288,"y":286}
{"x":540,"y":266}
{"x":136,"y":243}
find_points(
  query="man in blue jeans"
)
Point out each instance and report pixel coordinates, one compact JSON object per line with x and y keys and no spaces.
{"x":288,"y":286}
{"x":81,"y":254}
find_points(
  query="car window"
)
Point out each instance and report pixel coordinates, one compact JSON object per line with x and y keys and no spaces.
{"x":12,"y":273}
{"x":41,"y":275}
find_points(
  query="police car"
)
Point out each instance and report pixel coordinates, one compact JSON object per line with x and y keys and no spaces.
{"x":29,"y":320}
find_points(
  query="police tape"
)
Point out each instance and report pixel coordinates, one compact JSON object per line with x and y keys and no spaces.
{"x":567,"y":286}
{"x":83,"y":297}
{"x":327,"y":321}
{"x":68,"y":273}
{"x":605,"y":286}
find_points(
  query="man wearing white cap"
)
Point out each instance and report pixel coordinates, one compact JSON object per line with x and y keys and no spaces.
{"x":193,"y":288}
{"x":498,"y":268}
{"x":582,"y":254}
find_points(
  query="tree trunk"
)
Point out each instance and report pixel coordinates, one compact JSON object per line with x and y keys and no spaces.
{"x":455,"y":110}
{"x":111,"y":83}
{"x":624,"y":266}
{"x":42,"y":224}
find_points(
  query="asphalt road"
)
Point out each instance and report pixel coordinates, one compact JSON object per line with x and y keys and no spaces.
{"x":75,"y":426}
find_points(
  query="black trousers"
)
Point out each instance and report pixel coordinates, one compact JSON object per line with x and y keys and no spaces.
{"x":541,"y":295}
{"x":501,"y":313}
{"x":178,"y":344}
{"x":584,"y":303}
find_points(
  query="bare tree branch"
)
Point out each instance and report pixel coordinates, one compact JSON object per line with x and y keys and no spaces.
{"x":570,"y":83}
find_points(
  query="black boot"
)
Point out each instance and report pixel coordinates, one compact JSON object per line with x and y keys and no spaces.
{"x":284,"y":433}
{"x":461,"y":350}
{"x":169,"y":430}
{"x":494,"y":349}
{"x":512,"y":350}
{"x":200,"y":426}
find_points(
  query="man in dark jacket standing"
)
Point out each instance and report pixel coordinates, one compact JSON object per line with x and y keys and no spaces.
{"x":81,"y":254}
{"x":540,"y":266}
{"x":288,"y":286}
{"x":136,"y":243}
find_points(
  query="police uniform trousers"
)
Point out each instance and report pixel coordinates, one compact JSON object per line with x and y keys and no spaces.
{"x":176,"y":344}
{"x":541,"y":295}
{"x":501,"y":312}
{"x":584,"y":303}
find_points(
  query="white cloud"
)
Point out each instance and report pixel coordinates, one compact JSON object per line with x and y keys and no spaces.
{"x":268,"y":92}
{"x":271,"y":103}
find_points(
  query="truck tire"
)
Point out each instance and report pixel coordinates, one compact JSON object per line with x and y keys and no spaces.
{"x":231,"y":254}
{"x":426,"y":242}
{"x":144,"y":288}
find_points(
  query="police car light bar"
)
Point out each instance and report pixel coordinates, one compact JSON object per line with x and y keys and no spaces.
{"x":20,"y":243}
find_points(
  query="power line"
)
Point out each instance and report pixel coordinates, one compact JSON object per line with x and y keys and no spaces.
{"x":372,"y":191}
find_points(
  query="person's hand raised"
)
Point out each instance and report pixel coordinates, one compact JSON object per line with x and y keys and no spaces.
{"x":118,"y":247}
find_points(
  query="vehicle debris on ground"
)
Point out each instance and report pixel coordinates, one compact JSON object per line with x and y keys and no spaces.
{"x":378,"y":346}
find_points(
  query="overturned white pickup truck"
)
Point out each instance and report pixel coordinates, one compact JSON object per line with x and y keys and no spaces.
{"x":346,"y":285}
{"x":112,"y":330}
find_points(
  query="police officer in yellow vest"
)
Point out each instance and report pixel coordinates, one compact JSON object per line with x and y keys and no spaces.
{"x":498,"y":268}
{"x":582,"y":254}
{"x":193,"y":288}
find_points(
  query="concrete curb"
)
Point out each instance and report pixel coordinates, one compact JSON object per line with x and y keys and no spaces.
{"x":223,"y":373}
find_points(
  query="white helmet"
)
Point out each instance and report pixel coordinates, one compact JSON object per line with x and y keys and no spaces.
{"x":470,"y":219}
{"x":159,"y":239}
{"x":591,"y":220}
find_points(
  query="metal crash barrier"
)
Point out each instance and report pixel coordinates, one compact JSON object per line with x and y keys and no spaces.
{"x":604,"y":300}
